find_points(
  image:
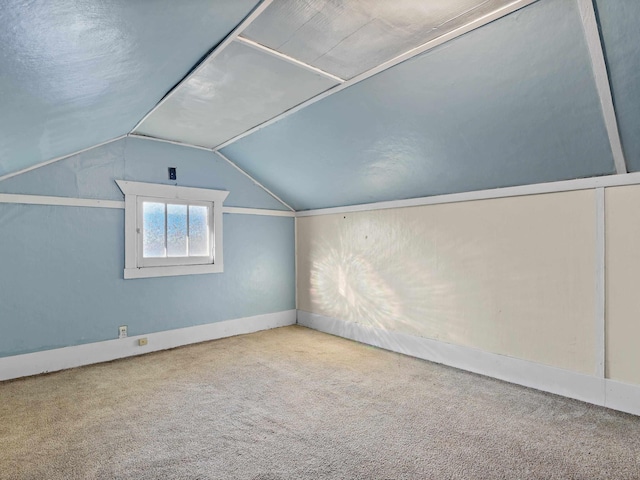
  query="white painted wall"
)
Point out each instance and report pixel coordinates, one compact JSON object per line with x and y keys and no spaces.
{"x":623,"y":284}
{"x":509,"y":276}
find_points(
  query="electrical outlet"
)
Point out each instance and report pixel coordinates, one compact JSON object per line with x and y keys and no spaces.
{"x":142,"y":341}
{"x":122,"y":331}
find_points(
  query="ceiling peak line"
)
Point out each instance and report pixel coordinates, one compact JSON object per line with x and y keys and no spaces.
{"x":601,"y":76}
{"x":221,"y":46}
{"x":254,"y":180}
{"x":472,"y":25}
{"x":275,"y":53}
{"x":206,"y":149}
{"x":57,"y":159}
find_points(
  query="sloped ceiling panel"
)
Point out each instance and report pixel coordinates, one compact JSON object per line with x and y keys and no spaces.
{"x":235,"y":90}
{"x":348,"y":38}
{"x":621,"y":35}
{"x":511,"y":103}
{"x":75,"y":73}
{"x":89,"y":174}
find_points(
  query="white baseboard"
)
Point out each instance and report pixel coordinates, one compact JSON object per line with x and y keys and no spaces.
{"x":591,"y":389}
{"x":69,"y":357}
{"x":622,"y":396}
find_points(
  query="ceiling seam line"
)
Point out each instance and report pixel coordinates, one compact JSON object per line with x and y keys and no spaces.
{"x":172,"y":142}
{"x":207,"y":149}
{"x":348,"y":36}
{"x":233,"y":164}
{"x":262,"y":48}
{"x":474,"y":24}
{"x":601,"y":76}
{"x":57,"y":159}
{"x":462,"y":14}
{"x":221,"y":46}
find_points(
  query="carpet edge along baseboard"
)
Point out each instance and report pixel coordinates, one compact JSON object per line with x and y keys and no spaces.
{"x":89,"y":353}
{"x":587,"y":388}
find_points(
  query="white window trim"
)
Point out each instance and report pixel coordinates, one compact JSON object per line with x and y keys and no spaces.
{"x":133,"y":190}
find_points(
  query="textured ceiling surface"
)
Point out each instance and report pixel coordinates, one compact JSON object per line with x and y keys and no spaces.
{"x":619,"y":25}
{"x":348,"y":38}
{"x":511,"y":103}
{"x":293,"y":51}
{"x":237,"y":89}
{"x":75,"y":73}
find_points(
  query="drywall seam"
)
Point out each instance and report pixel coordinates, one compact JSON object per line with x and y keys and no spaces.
{"x":519,"y":191}
{"x":59,"y":201}
{"x":261,"y":48}
{"x":172,"y":142}
{"x":254,"y":180}
{"x":600,"y":283}
{"x":69,"y":357}
{"x":181,"y":144}
{"x":479,"y":22}
{"x":93,"y":203}
{"x":592,"y":36}
{"x":57,"y":159}
{"x":221,"y":46}
{"x":587,"y":388}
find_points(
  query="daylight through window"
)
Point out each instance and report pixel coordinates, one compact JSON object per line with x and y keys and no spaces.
{"x":171,"y":230}
{"x":176,"y":230}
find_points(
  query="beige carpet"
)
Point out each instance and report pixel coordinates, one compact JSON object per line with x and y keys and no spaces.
{"x":293,"y":403}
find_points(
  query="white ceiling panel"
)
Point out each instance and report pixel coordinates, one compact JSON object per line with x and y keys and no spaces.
{"x":346,"y":38}
{"x":237,"y":89}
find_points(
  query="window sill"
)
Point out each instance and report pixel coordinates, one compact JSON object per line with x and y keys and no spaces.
{"x":171,"y":271}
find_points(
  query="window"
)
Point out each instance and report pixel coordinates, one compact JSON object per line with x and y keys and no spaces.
{"x":171,"y":230}
{"x":174,"y":232}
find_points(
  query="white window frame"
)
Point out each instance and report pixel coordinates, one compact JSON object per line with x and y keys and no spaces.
{"x":134,"y":264}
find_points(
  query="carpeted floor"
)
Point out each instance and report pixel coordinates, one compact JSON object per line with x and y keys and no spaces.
{"x":293,"y":403}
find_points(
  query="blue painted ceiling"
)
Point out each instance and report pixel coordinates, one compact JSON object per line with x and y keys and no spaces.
{"x":619,"y":27}
{"x":513,"y":102}
{"x":75,"y":73}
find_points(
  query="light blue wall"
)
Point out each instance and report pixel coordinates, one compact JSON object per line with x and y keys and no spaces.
{"x":75,"y":73}
{"x":511,"y":103}
{"x":92,"y":174}
{"x":61,"y":268}
{"x":621,"y":35}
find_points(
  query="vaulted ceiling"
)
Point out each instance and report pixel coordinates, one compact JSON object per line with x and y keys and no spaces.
{"x":330,"y":102}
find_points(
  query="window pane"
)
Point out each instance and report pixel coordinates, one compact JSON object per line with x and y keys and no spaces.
{"x":176,"y":230}
{"x":153,"y":230}
{"x":198,"y":231}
